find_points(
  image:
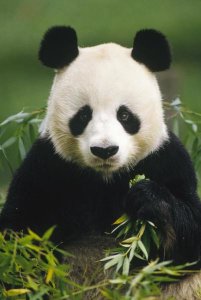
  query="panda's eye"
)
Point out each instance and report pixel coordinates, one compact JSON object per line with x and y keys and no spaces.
{"x":84,"y":115}
{"x":123,"y":115}
{"x":80,"y":120}
{"x":129,"y":120}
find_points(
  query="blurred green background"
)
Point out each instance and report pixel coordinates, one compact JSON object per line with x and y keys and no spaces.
{"x":25,"y":83}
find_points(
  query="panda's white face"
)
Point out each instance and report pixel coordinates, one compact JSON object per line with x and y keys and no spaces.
{"x":105,"y":110}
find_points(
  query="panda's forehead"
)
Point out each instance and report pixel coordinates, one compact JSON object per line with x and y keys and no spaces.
{"x":108,"y":50}
{"x":105,"y":75}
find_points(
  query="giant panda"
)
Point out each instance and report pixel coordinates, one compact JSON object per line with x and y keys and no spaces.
{"x":104,"y":125}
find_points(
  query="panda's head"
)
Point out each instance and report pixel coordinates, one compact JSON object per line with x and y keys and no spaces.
{"x":104,"y":109}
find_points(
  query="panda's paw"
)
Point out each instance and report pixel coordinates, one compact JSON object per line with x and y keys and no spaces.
{"x":148,"y":201}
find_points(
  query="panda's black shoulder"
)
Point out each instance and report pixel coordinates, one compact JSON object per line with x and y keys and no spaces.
{"x":42,"y":153}
{"x":170,"y":165}
{"x":43,"y":167}
{"x":49,"y":170}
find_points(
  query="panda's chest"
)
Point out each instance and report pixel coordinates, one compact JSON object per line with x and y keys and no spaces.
{"x":93,"y":206}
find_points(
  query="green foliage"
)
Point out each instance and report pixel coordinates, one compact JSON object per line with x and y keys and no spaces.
{"x":23,"y":129}
{"x":186,"y":124}
{"x":137,"y":283}
{"x":29,"y":266}
{"x":138,"y":238}
{"x":144,"y":283}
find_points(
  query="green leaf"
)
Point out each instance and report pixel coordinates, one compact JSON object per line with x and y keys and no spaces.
{"x":194,"y":127}
{"x":109,"y":257}
{"x":22,"y":149}
{"x":19,"y":117}
{"x":119,"y":226}
{"x":130,"y":240}
{"x":120,"y":220}
{"x":23,"y":262}
{"x":154,"y":237}
{"x":139,"y":256}
{"x":136,"y":179}
{"x":176,"y":102}
{"x":146,"y":240}
{"x":152,"y":224}
{"x":25,"y":240}
{"x":46,"y":236}
{"x":33,"y":285}
{"x":32,"y":134}
{"x":176,"y":129}
{"x":5,"y":261}
{"x":120,"y":263}
{"x":132,"y":251}
{"x":118,"y":281}
{"x":34,"y":235}
{"x":143,"y":249}
{"x":112,"y":262}
{"x":16,"y":292}
{"x":9,"y":142}
{"x":34,"y":247}
{"x":126,"y":266}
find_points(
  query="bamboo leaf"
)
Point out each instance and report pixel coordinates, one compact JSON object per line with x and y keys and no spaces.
{"x":120,"y":220}
{"x":119,"y":226}
{"x":176,"y":102}
{"x":110,"y":257}
{"x":112,"y":262}
{"x":16,"y":292}
{"x":118,"y":281}
{"x":48,"y":233}
{"x":126,"y":266}
{"x":9,"y":142}
{"x":130,"y":240}
{"x":34,"y":235}
{"x":22,"y":149}
{"x":154,"y":237}
{"x":49,"y":275}
{"x":33,"y":285}
{"x":132,"y":251}
{"x":33,"y":247}
{"x":143,"y":249}
{"x":152,"y":224}
{"x":19,"y":117}
{"x":139,"y":256}
{"x":32,"y":134}
{"x":120,"y":264}
{"x":136,"y":179}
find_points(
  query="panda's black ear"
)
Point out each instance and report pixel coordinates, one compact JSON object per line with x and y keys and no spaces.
{"x":58,"y":47}
{"x":151,"y":48}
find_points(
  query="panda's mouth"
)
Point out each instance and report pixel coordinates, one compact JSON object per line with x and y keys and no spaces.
{"x":105,"y":167}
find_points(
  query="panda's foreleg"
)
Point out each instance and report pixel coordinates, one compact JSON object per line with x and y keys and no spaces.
{"x":178,"y":220}
{"x":31,"y":194}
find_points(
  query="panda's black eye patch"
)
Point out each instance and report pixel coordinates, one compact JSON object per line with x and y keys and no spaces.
{"x":129,"y":121}
{"x":80,"y":120}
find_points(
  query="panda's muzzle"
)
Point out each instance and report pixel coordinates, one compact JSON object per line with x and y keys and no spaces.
{"x":104,"y":153}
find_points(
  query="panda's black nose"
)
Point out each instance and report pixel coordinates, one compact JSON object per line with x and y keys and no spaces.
{"x":104,"y":153}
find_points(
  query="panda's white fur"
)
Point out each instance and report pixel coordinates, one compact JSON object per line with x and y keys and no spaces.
{"x":105,"y":77}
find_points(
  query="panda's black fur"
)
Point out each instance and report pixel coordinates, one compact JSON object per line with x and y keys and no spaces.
{"x":145,"y":50}
{"x":46,"y":191}
{"x":62,"y":41}
{"x":50,"y":188}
